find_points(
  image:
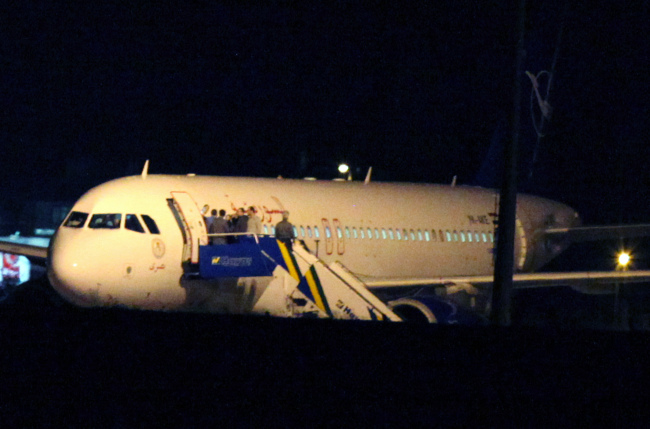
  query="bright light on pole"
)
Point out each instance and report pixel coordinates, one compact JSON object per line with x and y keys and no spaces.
{"x":343,"y":168}
{"x":623,"y":260}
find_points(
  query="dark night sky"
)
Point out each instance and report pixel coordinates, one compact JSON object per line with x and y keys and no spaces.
{"x":416,"y":90}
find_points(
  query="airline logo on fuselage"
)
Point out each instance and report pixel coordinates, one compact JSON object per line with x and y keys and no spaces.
{"x":158,"y":248}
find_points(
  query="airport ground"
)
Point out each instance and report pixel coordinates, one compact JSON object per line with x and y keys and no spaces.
{"x":125,"y":368}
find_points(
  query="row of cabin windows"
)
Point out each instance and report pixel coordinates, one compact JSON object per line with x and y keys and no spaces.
{"x":132,"y":223}
{"x":390,"y":234}
{"x":112,"y":221}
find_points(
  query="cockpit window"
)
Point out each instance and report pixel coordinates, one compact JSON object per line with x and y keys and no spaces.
{"x":151,"y":224}
{"x":132,"y":223}
{"x":76,"y":220}
{"x":105,"y":221}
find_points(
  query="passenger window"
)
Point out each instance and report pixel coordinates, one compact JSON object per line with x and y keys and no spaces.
{"x":412,"y":235}
{"x":390,"y":233}
{"x":316,"y":232}
{"x":420,"y":235}
{"x":347,"y":232}
{"x":484,"y":237}
{"x":462,"y":236}
{"x":328,"y":233}
{"x":455,"y":235}
{"x":376,"y":233}
{"x":339,"y":233}
{"x":151,"y":224}
{"x":354,"y":232}
{"x":399,"y":234}
{"x":442,"y":237}
{"x":361,"y":233}
{"x":469,"y":236}
{"x":76,"y":220}
{"x":295,"y":232}
{"x":266,"y":229}
{"x":448,"y":235}
{"x":383,"y":233}
{"x":369,"y":233}
{"x":105,"y":221}
{"x":133,"y":224}
{"x":406,"y":235}
{"x":302,"y":231}
{"x":309,"y":231}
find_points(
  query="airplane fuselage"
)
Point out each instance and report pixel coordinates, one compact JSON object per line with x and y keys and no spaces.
{"x":376,"y":230}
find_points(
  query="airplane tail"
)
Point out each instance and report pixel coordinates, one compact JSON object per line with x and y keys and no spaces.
{"x":490,"y":173}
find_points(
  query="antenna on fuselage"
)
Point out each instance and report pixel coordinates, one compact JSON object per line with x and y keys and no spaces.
{"x":145,"y":169}
{"x":365,"y":182}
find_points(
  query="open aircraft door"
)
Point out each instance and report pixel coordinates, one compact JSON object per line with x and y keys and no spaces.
{"x":194,"y":224}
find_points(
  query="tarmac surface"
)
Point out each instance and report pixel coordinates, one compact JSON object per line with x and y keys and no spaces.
{"x":61,"y":365}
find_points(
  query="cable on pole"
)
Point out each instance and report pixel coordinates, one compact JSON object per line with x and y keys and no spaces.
{"x":544,"y":104}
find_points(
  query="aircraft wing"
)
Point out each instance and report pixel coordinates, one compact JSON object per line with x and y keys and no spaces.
{"x":591,"y":282}
{"x":594,"y":233}
{"x":34,"y":247}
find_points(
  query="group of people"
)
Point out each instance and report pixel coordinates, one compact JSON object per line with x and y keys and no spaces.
{"x":245,"y":221}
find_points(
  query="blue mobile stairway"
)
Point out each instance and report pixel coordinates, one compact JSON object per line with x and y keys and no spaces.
{"x":301,"y":285}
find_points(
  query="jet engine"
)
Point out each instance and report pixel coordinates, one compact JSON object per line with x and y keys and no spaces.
{"x":431,"y":309}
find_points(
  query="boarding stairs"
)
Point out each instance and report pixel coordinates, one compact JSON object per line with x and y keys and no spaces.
{"x":301,"y":285}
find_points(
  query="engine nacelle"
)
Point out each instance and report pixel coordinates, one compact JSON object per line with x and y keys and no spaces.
{"x":431,"y":309}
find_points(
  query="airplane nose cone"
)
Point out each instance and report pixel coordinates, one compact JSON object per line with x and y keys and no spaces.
{"x":70,"y":268}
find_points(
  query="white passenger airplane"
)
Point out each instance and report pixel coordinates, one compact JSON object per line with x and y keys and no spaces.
{"x":132,"y":241}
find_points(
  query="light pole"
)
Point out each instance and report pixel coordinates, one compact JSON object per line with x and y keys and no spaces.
{"x":622,"y":263}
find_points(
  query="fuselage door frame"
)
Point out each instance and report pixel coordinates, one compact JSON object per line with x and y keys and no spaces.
{"x":340,"y":237}
{"x":329,"y":239}
{"x":194,"y":223}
